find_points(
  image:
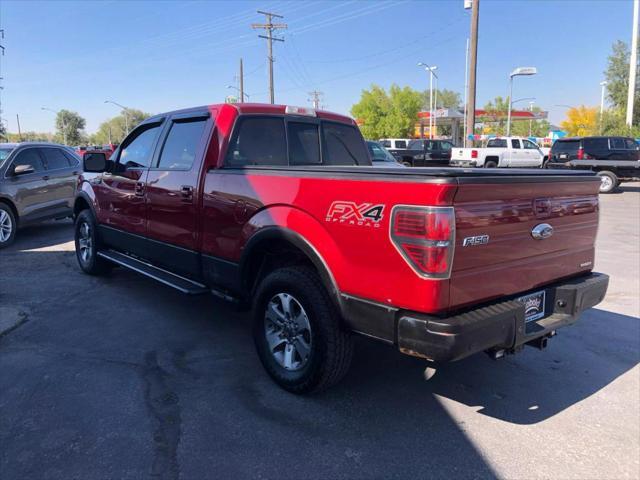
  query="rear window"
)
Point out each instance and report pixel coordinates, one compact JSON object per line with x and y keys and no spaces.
{"x":401,"y":144}
{"x":258,"y":141}
{"x":304,"y":143}
{"x":416,"y":144}
{"x":566,"y":146}
{"x":497,"y":143}
{"x":343,"y":145}
{"x":55,"y":159}
{"x":597,"y":144}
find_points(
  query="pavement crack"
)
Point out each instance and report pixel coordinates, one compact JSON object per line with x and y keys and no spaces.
{"x":164,"y":406}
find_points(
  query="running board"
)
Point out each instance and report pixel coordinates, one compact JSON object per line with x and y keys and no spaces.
{"x":163,"y":276}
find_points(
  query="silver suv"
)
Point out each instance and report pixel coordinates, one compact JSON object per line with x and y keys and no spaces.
{"x":37,"y":182}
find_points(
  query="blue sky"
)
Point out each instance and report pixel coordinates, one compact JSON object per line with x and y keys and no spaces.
{"x":163,"y":55}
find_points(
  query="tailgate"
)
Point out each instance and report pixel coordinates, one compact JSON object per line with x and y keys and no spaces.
{"x":496,"y":254}
{"x":461,"y":153}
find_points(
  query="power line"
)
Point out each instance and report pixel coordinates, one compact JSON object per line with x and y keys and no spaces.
{"x":269,"y":27}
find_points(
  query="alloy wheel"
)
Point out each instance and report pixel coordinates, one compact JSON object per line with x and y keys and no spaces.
{"x":287,"y":331}
{"x":85,"y":242}
{"x":6,"y":226}
{"x":605,"y":183}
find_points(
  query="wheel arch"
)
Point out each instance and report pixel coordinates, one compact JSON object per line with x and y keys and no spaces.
{"x":82,"y":202}
{"x":269,"y":242}
{"x":13,"y":208}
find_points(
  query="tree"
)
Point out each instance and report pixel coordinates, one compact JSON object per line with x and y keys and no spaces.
{"x":581,"y":121}
{"x":446,"y":99}
{"x":30,"y":137}
{"x":613,"y":122}
{"x":617,"y":76}
{"x":70,"y":128}
{"x":388,"y":115}
{"x":115,"y":129}
{"x":3,"y":130}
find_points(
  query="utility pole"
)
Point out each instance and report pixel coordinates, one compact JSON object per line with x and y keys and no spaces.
{"x":466,"y":87}
{"x":473,"y":63}
{"x":633,"y":64}
{"x":241,"y":83}
{"x":19,"y":132}
{"x":270,"y":27}
{"x":1,"y":78}
{"x":315,"y":100}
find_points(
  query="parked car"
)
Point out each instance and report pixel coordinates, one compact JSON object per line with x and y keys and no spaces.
{"x":395,"y":143}
{"x":614,"y":159}
{"x":274,"y":208}
{"x":425,"y":153}
{"x":381,"y":157}
{"x":500,"y":152}
{"x":37,"y":182}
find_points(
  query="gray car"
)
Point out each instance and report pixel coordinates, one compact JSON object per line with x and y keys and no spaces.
{"x":37,"y":183}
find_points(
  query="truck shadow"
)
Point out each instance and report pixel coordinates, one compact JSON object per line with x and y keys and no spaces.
{"x":42,"y":235}
{"x":526,"y":388}
{"x":383,"y":420}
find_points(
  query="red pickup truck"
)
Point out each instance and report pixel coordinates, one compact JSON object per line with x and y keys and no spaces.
{"x":279,"y":209}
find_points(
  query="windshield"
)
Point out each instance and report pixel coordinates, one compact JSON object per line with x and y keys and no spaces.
{"x":4,"y":153}
{"x":378,"y":153}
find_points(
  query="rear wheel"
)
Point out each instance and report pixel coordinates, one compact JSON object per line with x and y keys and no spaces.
{"x":7,"y":225}
{"x":608,"y":181}
{"x":491,"y":164}
{"x":86,"y":246}
{"x":298,"y":333}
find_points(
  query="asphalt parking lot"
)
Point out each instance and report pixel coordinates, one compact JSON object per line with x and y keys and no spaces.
{"x":120,"y":377}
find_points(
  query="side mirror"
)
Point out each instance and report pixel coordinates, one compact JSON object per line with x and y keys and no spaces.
{"x":94,"y":162}
{"x":23,"y":169}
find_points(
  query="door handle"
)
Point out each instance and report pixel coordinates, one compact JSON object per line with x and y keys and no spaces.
{"x":187,"y":193}
{"x":139,"y":189}
{"x":45,"y":177}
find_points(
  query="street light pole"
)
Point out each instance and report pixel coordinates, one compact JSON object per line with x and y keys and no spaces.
{"x":602,"y":85}
{"x":429,"y":69}
{"x":64,"y":124}
{"x":530,"y":120}
{"x":240,"y":91}
{"x":520,"y":71}
{"x":124,"y":112}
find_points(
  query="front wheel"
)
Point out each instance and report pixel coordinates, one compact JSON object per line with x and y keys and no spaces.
{"x":608,"y":181}
{"x":7,"y":225}
{"x":86,"y":246}
{"x":297,"y":331}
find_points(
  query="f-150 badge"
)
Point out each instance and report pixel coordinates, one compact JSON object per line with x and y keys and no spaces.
{"x":477,"y":240}
{"x":351,"y":213}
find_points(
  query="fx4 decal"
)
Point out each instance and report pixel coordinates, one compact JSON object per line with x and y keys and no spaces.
{"x":351,"y":213}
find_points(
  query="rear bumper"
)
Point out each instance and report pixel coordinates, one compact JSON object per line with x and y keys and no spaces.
{"x":500,"y":325}
{"x":463,"y":163}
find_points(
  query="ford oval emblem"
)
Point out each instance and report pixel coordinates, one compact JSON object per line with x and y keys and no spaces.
{"x":542,"y":231}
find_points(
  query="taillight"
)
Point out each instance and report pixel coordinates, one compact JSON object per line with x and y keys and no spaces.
{"x":424,"y":236}
{"x":580,"y":153}
{"x":474,"y":153}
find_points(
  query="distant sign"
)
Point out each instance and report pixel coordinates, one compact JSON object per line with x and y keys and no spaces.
{"x":468,"y":4}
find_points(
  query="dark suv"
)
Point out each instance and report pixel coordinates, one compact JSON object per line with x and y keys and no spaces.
{"x":37,"y":182}
{"x":615,"y":159}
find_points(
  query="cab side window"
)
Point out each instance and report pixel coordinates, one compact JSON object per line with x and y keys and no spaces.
{"x":515,"y":143}
{"x":179,"y":150}
{"x":138,"y":151}
{"x":258,"y":141}
{"x":30,"y":156}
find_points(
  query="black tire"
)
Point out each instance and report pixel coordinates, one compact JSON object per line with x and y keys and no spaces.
{"x":490,"y":164}
{"x":90,"y":262}
{"x":330,"y":346}
{"x":545,"y":164}
{"x":8,"y":225}
{"x":608,"y":181}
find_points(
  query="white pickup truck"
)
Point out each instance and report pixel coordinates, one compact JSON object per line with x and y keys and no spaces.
{"x":500,"y":152}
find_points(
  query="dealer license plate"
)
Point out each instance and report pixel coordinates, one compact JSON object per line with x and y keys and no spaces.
{"x":533,"y":306}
